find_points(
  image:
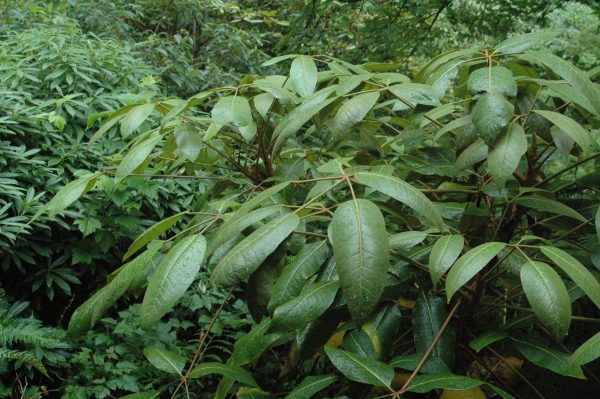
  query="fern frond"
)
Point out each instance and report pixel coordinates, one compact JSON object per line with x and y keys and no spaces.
{"x":27,"y":332}
{"x":23,"y":357}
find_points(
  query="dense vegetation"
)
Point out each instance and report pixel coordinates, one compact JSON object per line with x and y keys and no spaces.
{"x":283,"y":199}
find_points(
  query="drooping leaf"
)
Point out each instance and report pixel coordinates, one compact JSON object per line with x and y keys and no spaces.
{"x":443,"y":254}
{"x":360,"y":368}
{"x":475,"y":152}
{"x":497,"y":79}
{"x":165,"y":360}
{"x":262,"y":103}
{"x":544,"y":204}
{"x":188,"y":141}
{"x":547,"y":296}
{"x":294,"y":275}
{"x":576,"y":271}
{"x":504,"y":158}
{"x":151,"y":233}
{"x":134,"y":118}
{"x":587,"y":352}
{"x":261,"y":283}
{"x":432,"y":365}
{"x":403,"y":192}
{"x":487,"y":339}
{"x":428,"y":317}
{"x":353,"y":111}
{"x":382,"y":329}
{"x":570,"y":127}
{"x":361,"y":250}
{"x":236,"y":373}
{"x":310,"y":386}
{"x":468,"y":265}
{"x":548,"y":358}
{"x":491,"y":116}
{"x":247,"y":256}
{"x":519,"y":43}
{"x":312,"y":302}
{"x":303,"y":75}
{"x":172,"y":278}
{"x":69,"y":194}
{"x":135,"y":157}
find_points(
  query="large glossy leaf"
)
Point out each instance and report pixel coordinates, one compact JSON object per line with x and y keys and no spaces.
{"x":236,"y":373}
{"x":303,"y":75}
{"x":576,"y":77}
{"x":295,"y":119}
{"x":587,"y":352}
{"x":495,"y":79}
{"x":491,"y":116}
{"x":165,"y":360}
{"x":357,"y":341}
{"x":135,"y":157}
{"x":443,"y":254}
{"x":544,"y":204}
{"x":471,"y":263}
{"x":294,"y":275}
{"x":353,"y":111}
{"x":548,"y":297}
{"x":248,"y":255}
{"x":403,"y":192}
{"x":548,"y":358}
{"x":172,"y":278}
{"x":428,"y":317}
{"x":312,"y":302}
{"x":237,"y":223}
{"x":134,"y":118}
{"x":131,"y":276}
{"x":382,"y":329}
{"x":360,"y":368}
{"x":519,"y":43}
{"x":151,"y":233}
{"x":361,"y":250}
{"x":69,"y":194}
{"x":504,"y":158}
{"x":570,"y":127}
{"x":310,"y":386}
{"x":576,"y":271}
{"x":252,"y":345}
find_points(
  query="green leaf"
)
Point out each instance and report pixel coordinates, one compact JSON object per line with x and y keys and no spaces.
{"x":310,"y":386}
{"x":263,"y":102}
{"x":294,"y":275}
{"x":151,"y":233}
{"x":428,"y":317}
{"x":69,"y":194}
{"x":353,"y":111}
{"x":247,"y":256}
{"x":548,"y":358}
{"x":576,"y":271}
{"x":172,"y":278}
{"x":455,"y":124}
{"x":597,"y":222}
{"x":312,"y":302}
{"x":426,"y":383}
{"x":471,"y":263}
{"x":504,"y":158}
{"x":383,"y":328}
{"x":303,"y":76}
{"x":432,"y":365}
{"x":261,"y":283}
{"x":403,"y":192}
{"x":519,"y":43}
{"x":487,"y":339}
{"x":441,"y":60}
{"x":570,"y":127}
{"x":360,"y":368}
{"x":252,"y":393}
{"x":238,"y":223}
{"x":476,"y":152}
{"x":251,"y":346}
{"x":497,"y":79}
{"x":491,"y":115}
{"x":587,"y":352}
{"x":165,"y":360}
{"x":236,"y":373}
{"x":188,"y":141}
{"x":361,"y":250}
{"x":295,"y":119}
{"x":576,"y":77}
{"x":548,"y":297}
{"x":407,"y":239}
{"x":141,"y":395}
{"x":278,"y":59}
{"x":443,"y":254}
{"x":232,"y":109}
{"x":544,"y":204}
{"x":135,"y":157}
{"x":357,"y":341}
{"x":134,"y":118}
{"x":416,"y":93}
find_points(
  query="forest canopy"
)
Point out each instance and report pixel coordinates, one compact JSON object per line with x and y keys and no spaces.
{"x":299,"y":199}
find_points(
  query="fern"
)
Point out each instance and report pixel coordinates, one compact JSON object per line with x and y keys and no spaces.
{"x":27,"y":332}
{"x":23,"y":357}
